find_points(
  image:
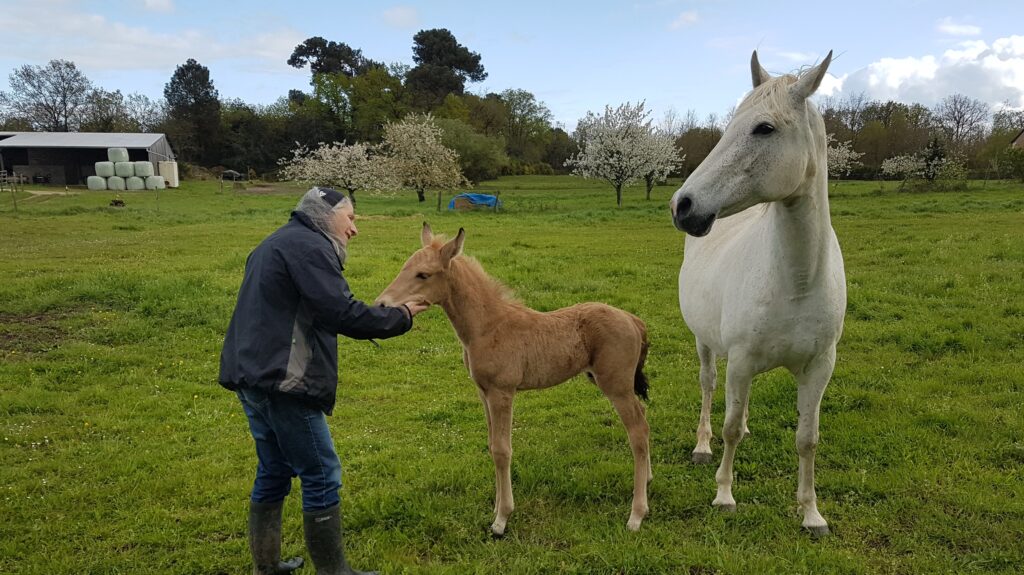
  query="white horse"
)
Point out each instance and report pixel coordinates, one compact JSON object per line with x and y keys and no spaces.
{"x":766,"y":288}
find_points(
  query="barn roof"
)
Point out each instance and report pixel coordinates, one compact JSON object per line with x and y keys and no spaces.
{"x":78,"y":140}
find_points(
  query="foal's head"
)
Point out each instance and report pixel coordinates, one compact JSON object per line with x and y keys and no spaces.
{"x":424,"y":277}
{"x":772,"y":147}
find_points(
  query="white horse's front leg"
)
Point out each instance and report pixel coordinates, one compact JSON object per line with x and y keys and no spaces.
{"x":708,"y":379}
{"x":811,"y":385}
{"x":738,"y":377}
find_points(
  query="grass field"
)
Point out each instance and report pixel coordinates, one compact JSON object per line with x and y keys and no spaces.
{"x":121,"y":454}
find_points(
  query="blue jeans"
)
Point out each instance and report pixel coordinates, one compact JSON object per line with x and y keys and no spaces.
{"x":292,"y":439}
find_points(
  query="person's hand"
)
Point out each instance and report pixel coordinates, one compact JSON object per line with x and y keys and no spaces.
{"x":416,"y":307}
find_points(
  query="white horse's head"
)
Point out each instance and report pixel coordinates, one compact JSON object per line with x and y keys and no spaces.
{"x":773,"y":147}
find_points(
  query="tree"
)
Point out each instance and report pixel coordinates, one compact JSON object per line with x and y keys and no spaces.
{"x":443,"y":66}
{"x":105,"y":112}
{"x":351,"y":167}
{"x":328,"y":57}
{"x":418,"y":158}
{"x":664,"y":157}
{"x":962,"y":119}
{"x":841,"y":157}
{"x":50,"y":98}
{"x":193,"y":112}
{"x":902,"y":167}
{"x":143,"y":113}
{"x":528,"y":122}
{"x":616,"y":146}
{"x":480,"y":157}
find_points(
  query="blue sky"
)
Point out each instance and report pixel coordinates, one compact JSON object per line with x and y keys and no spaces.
{"x":574,"y":56}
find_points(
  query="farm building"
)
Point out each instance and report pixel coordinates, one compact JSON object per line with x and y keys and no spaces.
{"x":1018,"y":142}
{"x":68,"y":158}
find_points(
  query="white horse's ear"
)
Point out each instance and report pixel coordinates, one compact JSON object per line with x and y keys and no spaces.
{"x":426,"y":236}
{"x":809,"y":81}
{"x":758,"y":74}
{"x":452,"y":248}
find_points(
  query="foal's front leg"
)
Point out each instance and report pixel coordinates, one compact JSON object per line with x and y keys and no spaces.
{"x":499,"y":408}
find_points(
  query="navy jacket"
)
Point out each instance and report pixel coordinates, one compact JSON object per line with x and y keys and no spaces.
{"x":292,"y":304}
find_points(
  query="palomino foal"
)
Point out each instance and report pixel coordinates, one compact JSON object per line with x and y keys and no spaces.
{"x":508,"y":347}
{"x":766,"y":287}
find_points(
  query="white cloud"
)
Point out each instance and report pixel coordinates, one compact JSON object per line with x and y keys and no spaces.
{"x":402,"y":17}
{"x":684,"y":19}
{"x":948,"y":26}
{"x":992,"y":73}
{"x":160,"y":5}
{"x":104,"y":45}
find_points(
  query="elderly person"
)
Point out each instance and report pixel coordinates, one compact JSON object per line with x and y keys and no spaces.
{"x":281,"y":357}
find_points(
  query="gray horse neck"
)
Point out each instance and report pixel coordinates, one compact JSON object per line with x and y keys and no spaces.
{"x":803,"y":228}
{"x":473,"y":303}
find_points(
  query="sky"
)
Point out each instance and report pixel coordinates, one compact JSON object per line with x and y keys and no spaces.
{"x":574,"y":56}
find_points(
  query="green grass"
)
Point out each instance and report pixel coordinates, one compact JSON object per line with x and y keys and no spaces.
{"x":121,"y":454}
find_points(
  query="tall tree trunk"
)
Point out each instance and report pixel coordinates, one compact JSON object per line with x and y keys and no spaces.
{"x":618,"y":195}
{"x":650,"y":185}
{"x":352,"y":196}
{"x":420,"y":196}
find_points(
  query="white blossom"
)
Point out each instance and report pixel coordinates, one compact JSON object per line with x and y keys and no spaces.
{"x":620,"y":146}
{"x":351,"y":167}
{"x":417,"y":158}
{"x":841,"y":157}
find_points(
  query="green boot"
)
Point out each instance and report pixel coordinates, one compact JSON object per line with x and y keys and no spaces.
{"x":325,"y":544}
{"x":265,"y":540}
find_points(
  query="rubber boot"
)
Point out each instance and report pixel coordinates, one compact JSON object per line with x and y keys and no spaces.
{"x":324,"y":542}
{"x":265,"y":540}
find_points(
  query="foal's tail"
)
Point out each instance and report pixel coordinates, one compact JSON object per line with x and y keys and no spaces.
{"x":640,"y":385}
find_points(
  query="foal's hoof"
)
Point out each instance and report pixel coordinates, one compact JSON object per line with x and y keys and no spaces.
{"x":701,"y":458}
{"x":496,"y":533}
{"x":818,"y":531}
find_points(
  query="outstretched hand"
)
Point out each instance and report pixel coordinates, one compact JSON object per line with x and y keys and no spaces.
{"x":416,"y":307}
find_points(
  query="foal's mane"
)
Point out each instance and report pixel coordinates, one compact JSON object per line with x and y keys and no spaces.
{"x":475,"y":278}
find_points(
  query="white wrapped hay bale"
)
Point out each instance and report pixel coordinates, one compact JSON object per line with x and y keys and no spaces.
{"x":135,"y":183}
{"x":143,"y":169}
{"x":96,"y":183}
{"x":155,"y":183}
{"x":105,"y":169}
{"x":115,"y":183}
{"x":124,"y":169}
{"x":117,"y":154}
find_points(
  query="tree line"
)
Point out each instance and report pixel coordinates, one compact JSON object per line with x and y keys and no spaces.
{"x":351,"y":99}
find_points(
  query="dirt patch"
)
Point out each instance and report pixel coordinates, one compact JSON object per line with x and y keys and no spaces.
{"x":32,"y":332}
{"x":269,"y":189}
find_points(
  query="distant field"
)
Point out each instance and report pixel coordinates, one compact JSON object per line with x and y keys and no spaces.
{"x":121,"y":454}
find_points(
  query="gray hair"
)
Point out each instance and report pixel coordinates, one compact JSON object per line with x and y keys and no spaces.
{"x":321,"y":213}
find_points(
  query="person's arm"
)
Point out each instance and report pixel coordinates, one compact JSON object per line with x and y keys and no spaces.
{"x":317,"y":276}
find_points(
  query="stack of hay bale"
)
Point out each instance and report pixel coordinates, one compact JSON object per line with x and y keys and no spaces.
{"x":121,"y":174}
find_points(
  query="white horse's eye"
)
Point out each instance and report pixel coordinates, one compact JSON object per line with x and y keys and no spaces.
{"x":763,"y":129}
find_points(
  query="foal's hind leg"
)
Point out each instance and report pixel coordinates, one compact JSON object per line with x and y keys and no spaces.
{"x":631,"y":411}
{"x":499,"y":407}
{"x":708,"y":378}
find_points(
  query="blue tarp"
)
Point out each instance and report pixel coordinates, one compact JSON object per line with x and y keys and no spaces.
{"x":477,"y":199}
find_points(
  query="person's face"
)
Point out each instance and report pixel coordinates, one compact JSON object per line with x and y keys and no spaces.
{"x":344,"y":221}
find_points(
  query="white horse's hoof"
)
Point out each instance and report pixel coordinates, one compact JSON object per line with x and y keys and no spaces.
{"x":725,"y":507}
{"x":701,"y":458}
{"x":818,"y":531}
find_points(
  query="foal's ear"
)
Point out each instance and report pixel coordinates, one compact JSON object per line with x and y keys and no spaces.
{"x":758,"y":74}
{"x":452,"y":248}
{"x":426,"y":236}
{"x":809,"y":81}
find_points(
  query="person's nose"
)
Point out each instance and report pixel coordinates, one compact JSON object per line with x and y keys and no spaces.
{"x":353,"y":231}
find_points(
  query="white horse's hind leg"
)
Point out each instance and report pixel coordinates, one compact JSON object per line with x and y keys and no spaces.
{"x":811,"y":385}
{"x":708,"y":378}
{"x":738,"y":377}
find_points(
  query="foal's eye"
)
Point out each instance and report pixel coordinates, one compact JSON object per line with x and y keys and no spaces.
{"x":422,"y":276}
{"x":763,"y":129}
